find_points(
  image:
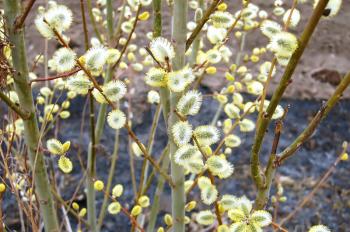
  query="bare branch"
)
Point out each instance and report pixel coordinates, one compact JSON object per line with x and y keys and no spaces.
{"x":24,"y":115}
{"x":21,"y":19}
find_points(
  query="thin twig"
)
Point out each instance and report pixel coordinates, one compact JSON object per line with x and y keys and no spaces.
{"x":275,"y":225}
{"x":20,"y":19}
{"x":129,"y":37}
{"x":148,"y":157}
{"x":24,"y":115}
{"x":153,"y":57}
{"x":69,"y":209}
{"x":212,"y":180}
{"x":200,"y":25}
{"x":58,"y":76}
{"x":272,"y":67}
{"x":144,"y":169}
{"x":323,"y":112}
{"x":87,"y":72}
{"x":161,"y":160}
{"x":265,"y":121}
{"x":86,"y":38}
{"x":93,"y":21}
{"x":319,"y":183}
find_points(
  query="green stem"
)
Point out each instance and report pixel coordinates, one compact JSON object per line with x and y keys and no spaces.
{"x":93,"y":21}
{"x":118,"y":28}
{"x":109,"y":181}
{"x":238,"y":61}
{"x":217,"y":115}
{"x":145,"y":163}
{"x":157,"y":18}
{"x":91,"y":169}
{"x":31,"y":129}
{"x":241,"y":49}
{"x":321,"y":114}
{"x":101,"y":120}
{"x":13,"y":106}
{"x":277,"y":95}
{"x":196,"y":43}
{"x":178,"y":196}
{"x":159,"y":190}
{"x":264,"y":192}
{"x":98,"y":129}
{"x":153,"y":173}
{"x":165,"y":104}
{"x":201,"y":23}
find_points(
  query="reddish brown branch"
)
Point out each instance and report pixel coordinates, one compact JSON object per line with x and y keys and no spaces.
{"x":148,"y":157}
{"x":200,"y":25}
{"x":129,"y":37}
{"x":275,"y":225}
{"x":20,"y":19}
{"x":58,"y":76}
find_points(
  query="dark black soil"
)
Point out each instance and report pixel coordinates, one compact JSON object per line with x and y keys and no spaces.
{"x":330,"y":205}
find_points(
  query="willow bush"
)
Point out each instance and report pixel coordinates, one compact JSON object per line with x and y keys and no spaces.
{"x":205,"y":36}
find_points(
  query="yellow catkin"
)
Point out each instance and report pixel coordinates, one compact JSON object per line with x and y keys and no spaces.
{"x":82,"y":212}
{"x":254,"y":58}
{"x":82,"y":60}
{"x":222,"y":6}
{"x":231,"y":88}
{"x":233,"y":67}
{"x":136,"y":210}
{"x":210,"y":70}
{"x":66,"y":146}
{"x":168,"y":219}
{"x":98,"y":185}
{"x":344,"y":156}
{"x":222,"y":98}
{"x":238,"y":34}
{"x":2,"y":187}
{"x":75,"y":206}
{"x":144,"y":201}
{"x":229,"y":76}
{"x":144,"y":16}
{"x":190,"y":206}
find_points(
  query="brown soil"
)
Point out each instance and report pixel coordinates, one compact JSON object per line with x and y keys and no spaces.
{"x":328,"y":48}
{"x":327,"y":55}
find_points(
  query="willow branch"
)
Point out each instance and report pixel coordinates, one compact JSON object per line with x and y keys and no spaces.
{"x":201,"y":23}
{"x":93,"y":21}
{"x":87,"y":72}
{"x":24,"y":115}
{"x":67,"y":207}
{"x":319,"y":183}
{"x":58,"y":76}
{"x":21,"y":19}
{"x":322,"y":113}
{"x":148,"y":157}
{"x":264,"y":191}
{"x":275,"y":225}
{"x":86,"y":38}
{"x":285,"y":80}
{"x":129,"y":37}
{"x":212,"y":180}
{"x":273,"y":64}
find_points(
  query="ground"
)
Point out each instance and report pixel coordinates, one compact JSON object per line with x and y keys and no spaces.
{"x":327,"y":53}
